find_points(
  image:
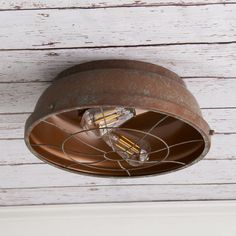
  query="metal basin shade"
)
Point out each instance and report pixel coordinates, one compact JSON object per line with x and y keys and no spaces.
{"x":172,"y":122}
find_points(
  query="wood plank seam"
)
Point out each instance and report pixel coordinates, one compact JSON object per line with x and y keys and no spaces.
{"x":116,"y":194}
{"x":117,"y":185}
{"x":136,"y":5}
{"x":115,"y":46}
{"x":110,"y":202}
{"x":184,"y":78}
{"x":204,"y":172}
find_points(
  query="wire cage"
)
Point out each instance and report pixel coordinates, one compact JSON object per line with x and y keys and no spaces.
{"x":118,"y":118}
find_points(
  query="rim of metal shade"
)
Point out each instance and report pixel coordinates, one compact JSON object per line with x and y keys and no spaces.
{"x":172,"y":123}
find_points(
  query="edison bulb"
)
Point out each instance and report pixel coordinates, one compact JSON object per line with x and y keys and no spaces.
{"x":100,"y":121}
{"x":132,"y":149}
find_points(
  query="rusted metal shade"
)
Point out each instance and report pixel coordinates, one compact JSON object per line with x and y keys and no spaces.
{"x":166,"y":120}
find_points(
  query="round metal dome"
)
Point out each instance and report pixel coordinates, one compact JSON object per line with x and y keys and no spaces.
{"x":147,"y":121}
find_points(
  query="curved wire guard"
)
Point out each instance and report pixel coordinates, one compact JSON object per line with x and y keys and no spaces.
{"x":93,"y":164}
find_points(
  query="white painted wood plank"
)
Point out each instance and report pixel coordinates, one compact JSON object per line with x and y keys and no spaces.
{"x":186,"y":60}
{"x":213,"y":92}
{"x":41,"y":175}
{"x":23,"y":4}
{"x":20,"y":97}
{"x":12,"y":125}
{"x":107,"y":194}
{"x":220,"y":120}
{"x":14,"y":152}
{"x":209,"y":92}
{"x":223,"y":147}
{"x":117,"y":26}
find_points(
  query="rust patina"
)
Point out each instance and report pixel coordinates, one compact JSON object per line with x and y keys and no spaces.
{"x":53,"y":132}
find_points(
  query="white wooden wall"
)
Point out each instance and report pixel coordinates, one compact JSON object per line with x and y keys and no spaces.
{"x":38,"y":39}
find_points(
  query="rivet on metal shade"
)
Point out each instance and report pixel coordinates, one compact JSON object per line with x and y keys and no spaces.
{"x":118,"y":118}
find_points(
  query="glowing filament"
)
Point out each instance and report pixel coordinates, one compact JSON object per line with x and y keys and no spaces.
{"x":100,"y":121}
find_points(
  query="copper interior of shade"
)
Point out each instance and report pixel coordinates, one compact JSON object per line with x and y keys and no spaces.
{"x":61,"y":140}
{"x":58,"y":138}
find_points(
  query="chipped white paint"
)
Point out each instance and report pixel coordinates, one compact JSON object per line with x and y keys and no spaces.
{"x":117,"y":26}
{"x":186,"y":60}
{"x":12,"y":125}
{"x":42,"y":175}
{"x":223,"y":147}
{"x":221,"y":120}
{"x":15,"y":152}
{"x":31,"y":4}
{"x":106,"y":194}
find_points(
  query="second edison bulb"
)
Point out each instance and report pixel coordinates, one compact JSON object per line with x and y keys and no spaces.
{"x":100,"y":123}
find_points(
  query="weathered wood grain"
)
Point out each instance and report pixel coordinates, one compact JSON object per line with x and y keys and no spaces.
{"x":105,"y":194}
{"x":12,"y":125}
{"x":42,"y":175}
{"x":209,"y":92}
{"x":186,"y":60}
{"x":117,"y":26}
{"x":220,"y":120}
{"x":213,"y":92}
{"x":223,"y":147}
{"x":20,"y":97}
{"x":14,"y":152}
{"x":40,"y":4}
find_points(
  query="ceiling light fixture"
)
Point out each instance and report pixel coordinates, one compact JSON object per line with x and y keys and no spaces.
{"x":118,"y":118}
